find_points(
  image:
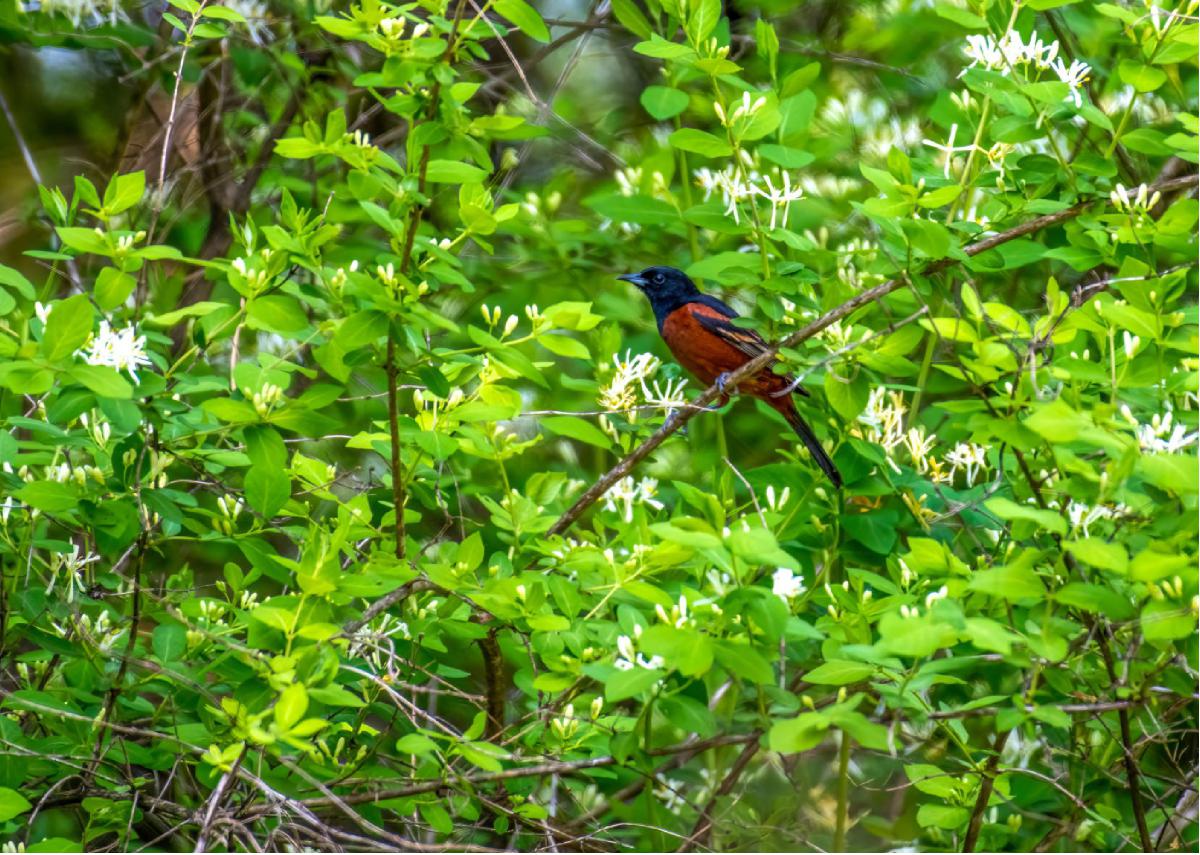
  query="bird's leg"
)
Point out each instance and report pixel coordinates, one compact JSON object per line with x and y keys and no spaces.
{"x":722,"y":381}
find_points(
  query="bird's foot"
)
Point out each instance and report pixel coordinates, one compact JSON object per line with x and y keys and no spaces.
{"x":723,"y":383}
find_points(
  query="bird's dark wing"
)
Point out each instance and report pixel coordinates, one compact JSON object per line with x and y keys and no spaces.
{"x":747,"y":341}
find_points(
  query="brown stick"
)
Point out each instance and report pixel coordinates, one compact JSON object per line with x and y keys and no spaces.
{"x":682,"y":417}
{"x":986,"y":784}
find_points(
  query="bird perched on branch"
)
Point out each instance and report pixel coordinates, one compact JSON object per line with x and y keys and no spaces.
{"x":699,"y":330}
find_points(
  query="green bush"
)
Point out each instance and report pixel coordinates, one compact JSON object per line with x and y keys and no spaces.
{"x":306,"y":534}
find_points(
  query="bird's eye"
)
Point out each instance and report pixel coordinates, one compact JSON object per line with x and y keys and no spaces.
{"x":658,"y":278}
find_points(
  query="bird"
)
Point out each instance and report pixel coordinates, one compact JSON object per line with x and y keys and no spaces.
{"x":698,"y":329}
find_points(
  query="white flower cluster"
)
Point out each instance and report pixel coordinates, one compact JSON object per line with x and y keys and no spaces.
{"x":374,"y":642}
{"x":883,"y":418}
{"x":1012,"y":51}
{"x":123,"y":350}
{"x":631,"y":374}
{"x":787,"y":584}
{"x":1162,"y":435}
{"x":628,"y":657}
{"x":70,"y":565}
{"x":627,"y":493}
{"x":1141,"y":203}
{"x":742,"y":182}
{"x":1082,"y":515}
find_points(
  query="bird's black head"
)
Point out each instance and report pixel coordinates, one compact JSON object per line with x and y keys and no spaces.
{"x":666,"y":287}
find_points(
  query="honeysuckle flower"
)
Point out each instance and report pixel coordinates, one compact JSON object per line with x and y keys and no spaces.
{"x":1162,"y":435}
{"x":621,"y":391}
{"x":122,"y":350}
{"x":627,"y":493}
{"x":949,"y":149}
{"x":71,"y":565}
{"x":933,"y":596}
{"x":969,"y":457}
{"x":1075,"y":76}
{"x":787,"y":584}
{"x":909,"y":612}
{"x":781,"y":198}
{"x":628,"y":657}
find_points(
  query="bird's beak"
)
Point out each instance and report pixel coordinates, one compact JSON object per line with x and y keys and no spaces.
{"x":635,"y":278}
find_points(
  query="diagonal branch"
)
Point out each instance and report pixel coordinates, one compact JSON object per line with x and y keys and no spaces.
{"x":682,"y":417}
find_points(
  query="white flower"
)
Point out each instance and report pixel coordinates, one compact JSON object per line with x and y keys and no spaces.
{"x":1163,"y":435}
{"x":627,"y":493}
{"x":779,"y":197}
{"x":787,"y":584}
{"x":123,"y":350}
{"x":72,"y":564}
{"x":621,"y":391}
{"x":949,"y":149}
{"x":669,"y":397}
{"x":968,"y":456}
{"x":628,"y":657}
{"x":1075,"y":76}
{"x":933,"y":596}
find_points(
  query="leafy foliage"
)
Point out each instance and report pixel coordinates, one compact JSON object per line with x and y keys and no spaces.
{"x":296,"y":431}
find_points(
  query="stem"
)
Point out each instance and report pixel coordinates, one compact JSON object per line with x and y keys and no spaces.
{"x":843,"y":793}
{"x":986,"y":783}
{"x":398,"y":490}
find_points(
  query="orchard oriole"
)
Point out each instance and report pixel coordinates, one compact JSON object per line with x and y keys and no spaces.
{"x":698,"y":329}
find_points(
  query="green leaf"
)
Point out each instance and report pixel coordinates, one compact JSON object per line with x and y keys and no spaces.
{"x":360,"y":329}
{"x":123,"y":192}
{"x":631,"y":18}
{"x":663,"y":102}
{"x":1096,"y":599}
{"x":627,"y":684}
{"x":801,"y":733}
{"x":1143,"y":78}
{"x":169,"y":642}
{"x":744,"y":662}
{"x":1007,"y":509}
{"x":50,"y":496}
{"x":454,"y":172}
{"x":276,"y":313}
{"x":102,"y":380}
{"x":113,"y":288}
{"x":1099,"y":553}
{"x":525,"y":17}
{"x":1009,"y":582}
{"x":291,"y":706}
{"x":942,"y":816}
{"x":700,"y":142}
{"x":12,"y":804}
{"x":67,"y":328}
{"x":839,"y":672}
{"x":701,"y":18}
{"x":264,"y":446}
{"x":577,"y":428}
{"x":267,"y":489}
{"x":15,"y":280}
{"x":1164,"y":620}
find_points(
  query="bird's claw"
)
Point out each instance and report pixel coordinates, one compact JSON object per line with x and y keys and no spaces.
{"x":722,"y":382}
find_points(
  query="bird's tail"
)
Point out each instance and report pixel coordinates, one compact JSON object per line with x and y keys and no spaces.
{"x":788,"y":408}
